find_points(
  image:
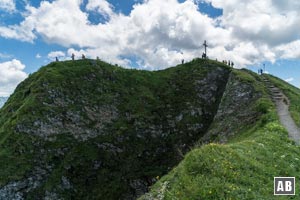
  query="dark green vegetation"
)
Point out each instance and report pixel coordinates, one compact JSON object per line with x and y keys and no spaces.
{"x":90,"y":130}
{"x":244,"y":167}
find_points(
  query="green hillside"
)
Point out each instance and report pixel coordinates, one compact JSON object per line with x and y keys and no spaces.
{"x":244,"y":167}
{"x":88,"y":130}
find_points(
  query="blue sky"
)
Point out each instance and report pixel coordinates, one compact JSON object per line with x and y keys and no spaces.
{"x":151,"y":34}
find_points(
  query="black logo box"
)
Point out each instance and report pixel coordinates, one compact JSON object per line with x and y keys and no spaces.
{"x":281,"y":184}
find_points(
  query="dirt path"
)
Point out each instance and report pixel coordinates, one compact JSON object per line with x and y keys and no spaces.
{"x":282,"y":106}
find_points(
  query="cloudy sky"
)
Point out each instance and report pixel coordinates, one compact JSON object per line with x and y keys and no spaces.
{"x":149,"y":34}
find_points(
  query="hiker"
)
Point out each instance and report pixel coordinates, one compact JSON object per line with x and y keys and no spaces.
{"x":83,"y":56}
{"x":56,"y":59}
{"x":182,"y":61}
{"x":232,"y":64}
{"x":229,"y":63}
{"x":203,"y":55}
{"x":73,"y":56}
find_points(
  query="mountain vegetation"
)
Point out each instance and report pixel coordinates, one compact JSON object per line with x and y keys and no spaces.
{"x":89,"y":130}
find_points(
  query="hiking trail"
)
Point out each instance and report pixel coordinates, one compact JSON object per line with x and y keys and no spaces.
{"x":282,"y":105}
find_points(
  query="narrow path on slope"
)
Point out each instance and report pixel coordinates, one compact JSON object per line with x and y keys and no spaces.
{"x":282,"y":106}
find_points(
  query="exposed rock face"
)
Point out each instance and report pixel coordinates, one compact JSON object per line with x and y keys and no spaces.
{"x":72,"y":122}
{"x":15,"y":190}
{"x":96,"y":131}
{"x":235,"y":110}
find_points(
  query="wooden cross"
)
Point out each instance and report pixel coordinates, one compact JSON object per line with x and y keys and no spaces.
{"x":205,"y":46}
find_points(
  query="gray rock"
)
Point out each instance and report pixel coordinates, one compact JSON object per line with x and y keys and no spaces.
{"x":65,"y":183}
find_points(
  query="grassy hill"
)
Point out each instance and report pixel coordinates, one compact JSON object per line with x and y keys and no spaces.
{"x":89,"y":130}
{"x":245,"y":166}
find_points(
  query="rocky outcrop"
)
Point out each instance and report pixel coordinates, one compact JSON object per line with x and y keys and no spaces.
{"x":72,"y":122}
{"x":237,"y":109}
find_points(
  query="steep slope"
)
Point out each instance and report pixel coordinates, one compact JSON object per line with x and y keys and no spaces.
{"x":89,"y":130}
{"x":241,"y":107}
{"x":292,"y":93}
{"x":244,"y":167}
{"x":282,"y":105}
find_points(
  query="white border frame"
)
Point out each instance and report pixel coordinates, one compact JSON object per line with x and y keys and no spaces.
{"x":285,"y":194}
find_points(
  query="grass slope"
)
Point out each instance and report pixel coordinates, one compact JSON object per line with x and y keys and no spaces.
{"x":244,"y":167}
{"x":292,"y":93}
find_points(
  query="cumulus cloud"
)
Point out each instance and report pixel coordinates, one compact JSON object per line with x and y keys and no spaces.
{"x":271,"y":21}
{"x":56,"y":54}
{"x":161,"y":33}
{"x":22,"y":32}
{"x":289,"y":50}
{"x":11,"y":74}
{"x":101,"y":6}
{"x":7,"y":5}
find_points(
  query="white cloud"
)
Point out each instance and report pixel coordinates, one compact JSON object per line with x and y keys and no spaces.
{"x":290,"y":50}
{"x":166,"y":29}
{"x":161,"y":33}
{"x":11,"y":74}
{"x":101,"y":6}
{"x":56,"y":54}
{"x":7,"y":5}
{"x":270,"y":21}
{"x":289,"y":80}
{"x":23,"y":32}
{"x":38,"y":56}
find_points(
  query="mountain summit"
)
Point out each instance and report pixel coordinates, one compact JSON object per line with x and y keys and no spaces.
{"x":89,"y":130}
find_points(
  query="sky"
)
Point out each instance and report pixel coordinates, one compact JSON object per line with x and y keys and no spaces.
{"x":149,"y":34}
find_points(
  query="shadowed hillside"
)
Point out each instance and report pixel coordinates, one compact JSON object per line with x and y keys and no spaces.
{"x":86,"y":129}
{"x":89,"y":130}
